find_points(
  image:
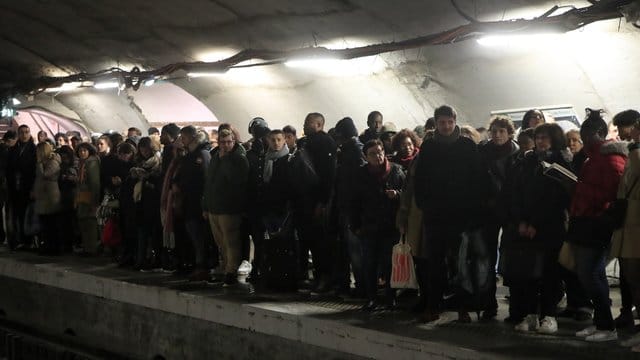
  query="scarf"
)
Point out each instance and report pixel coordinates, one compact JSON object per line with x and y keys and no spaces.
{"x":405,"y":161}
{"x":269,"y":158}
{"x":380,"y":172}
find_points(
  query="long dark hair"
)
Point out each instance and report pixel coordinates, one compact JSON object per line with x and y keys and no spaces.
{"x":555,"y":134}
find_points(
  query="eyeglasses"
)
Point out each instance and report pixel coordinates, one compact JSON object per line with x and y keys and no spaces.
{"x":224,"y":142}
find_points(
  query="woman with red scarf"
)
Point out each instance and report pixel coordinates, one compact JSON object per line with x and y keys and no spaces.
{"x":406,"y":145}
{"x":375,"y":203}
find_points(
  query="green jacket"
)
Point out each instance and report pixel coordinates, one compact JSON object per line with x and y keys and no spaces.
{"x":225,"y":187}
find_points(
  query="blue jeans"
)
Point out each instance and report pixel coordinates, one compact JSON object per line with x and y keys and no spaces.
{"x":590,"y":268}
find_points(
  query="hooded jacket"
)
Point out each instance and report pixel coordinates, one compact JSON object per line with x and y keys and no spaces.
{"x":597,"y":187}
{"x":599,"y":178}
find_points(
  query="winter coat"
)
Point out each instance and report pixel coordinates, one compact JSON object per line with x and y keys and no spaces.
{"x":599,"y":179}
{"x":4,"y":158}
{"x":626,"y":241}
{"x":597,"y":187}
{"x":276,"y":193}
{"x":322,"y":152}
{"x":147,"y":189}
{"x":88,"y":192}
{"x":108,"y":169}
{"x":67,"y":184}
{"x":350,"y":159}
{"x":410,"y":216}
{"x":190,"y":179}
{"x":255,"y":182}
{"x":449,"y":182}
{"x":372,"y":212}
{"x":498,"y":162}
{"x":540,"y":201}
{"x":45,"y":188}
{"x":225,"y":188}
{"x":21,"y":169}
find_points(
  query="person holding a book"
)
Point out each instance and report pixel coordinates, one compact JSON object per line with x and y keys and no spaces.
{"x":532,"y":241}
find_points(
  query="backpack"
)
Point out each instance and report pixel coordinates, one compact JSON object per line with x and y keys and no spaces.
{"x":303,"y":171}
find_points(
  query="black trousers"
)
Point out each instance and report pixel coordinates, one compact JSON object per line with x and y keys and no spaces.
{"x":537,"y":296}
{"x":312,"y":235}
{"x":51,"y":234}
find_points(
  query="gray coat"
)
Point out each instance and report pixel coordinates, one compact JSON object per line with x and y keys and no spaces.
{"x":46,"y":190}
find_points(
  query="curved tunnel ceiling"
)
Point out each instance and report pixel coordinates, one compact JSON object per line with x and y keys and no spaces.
{"x":61,"y":37}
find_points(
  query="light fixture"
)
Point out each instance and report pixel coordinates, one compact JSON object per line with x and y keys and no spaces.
{"x":107,"y":85}
{"x":64,"y":87}
{"x":16,"y":101}
{"x":149,"y":82}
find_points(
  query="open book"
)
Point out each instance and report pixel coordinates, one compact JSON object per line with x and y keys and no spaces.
{"x":559,"y":173}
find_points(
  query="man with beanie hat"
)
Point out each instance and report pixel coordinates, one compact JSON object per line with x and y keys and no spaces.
{"x":348,"y":248}
{"x":590,"y":236}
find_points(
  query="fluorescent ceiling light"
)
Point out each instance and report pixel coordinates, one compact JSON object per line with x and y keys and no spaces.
{"x":204,"y":74}
{"x":517,"y":40}
{"x":64,"y":87}
{"x":16,"y":101}
{"x":107,"y":85}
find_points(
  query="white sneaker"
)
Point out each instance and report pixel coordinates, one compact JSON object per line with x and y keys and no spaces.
{"x":548,"y":325}
{"x":602,"y":335}
{"x":586,"y":332}
{"x":530,"y":323}
{"x":245,"y":268}
{"x":632,"y":341}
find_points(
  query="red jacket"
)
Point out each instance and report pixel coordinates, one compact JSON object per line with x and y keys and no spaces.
{"x":598,"y":179}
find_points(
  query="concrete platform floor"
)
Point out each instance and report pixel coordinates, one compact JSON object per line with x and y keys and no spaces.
{"x":324,"y":321}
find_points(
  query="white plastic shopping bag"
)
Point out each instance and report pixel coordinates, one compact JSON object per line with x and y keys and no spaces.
{"x":403,"y":273}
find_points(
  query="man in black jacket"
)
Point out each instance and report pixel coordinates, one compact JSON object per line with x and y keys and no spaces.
{"x":348,"y":248}
{"x":448,"y":189}
{"x":311,"y":209}
{"x":190,"y":183}
{"x":21,"y":174}
{"x":8,"y":140}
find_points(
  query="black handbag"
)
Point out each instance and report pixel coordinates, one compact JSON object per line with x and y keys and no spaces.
{"x":615,"y":215}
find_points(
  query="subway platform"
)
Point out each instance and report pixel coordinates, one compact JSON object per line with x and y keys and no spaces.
{"x":92,"y":304}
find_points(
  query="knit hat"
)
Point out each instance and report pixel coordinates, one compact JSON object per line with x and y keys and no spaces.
{"x":172,"y":129}
{"x":346,"y":128}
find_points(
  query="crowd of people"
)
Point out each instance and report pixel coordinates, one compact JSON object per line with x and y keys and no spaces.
{"x":535,"y":203}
